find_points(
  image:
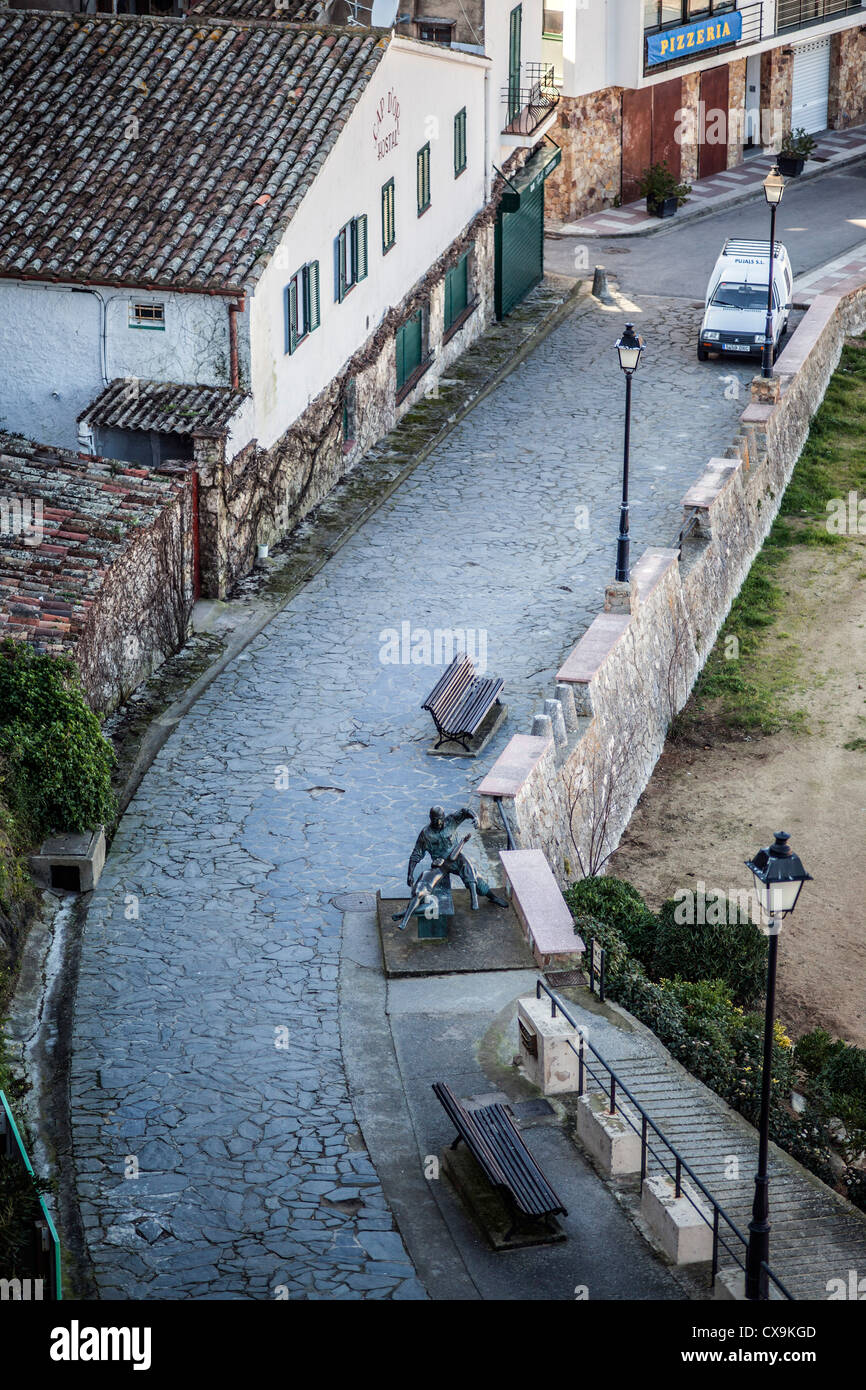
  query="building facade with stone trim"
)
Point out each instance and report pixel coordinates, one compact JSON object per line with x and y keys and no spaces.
{"x":634,"y":73}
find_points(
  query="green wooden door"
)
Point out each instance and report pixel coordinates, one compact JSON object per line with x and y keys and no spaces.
{"x":514,"y":61}
{"x":408,"y":349}
{"x":519,"y":250}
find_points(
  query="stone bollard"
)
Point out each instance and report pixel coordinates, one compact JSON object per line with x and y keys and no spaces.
{"x":565,"y":696}
{"x":557,"y":719}
{"x":600,"y":287}
{"x":766,"y":390}
{"x":542,"y":726}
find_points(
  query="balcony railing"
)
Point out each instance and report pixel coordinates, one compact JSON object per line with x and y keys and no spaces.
{"x":752,"y":16}
{"x":530,"y":100}
{"x":799,"y":14}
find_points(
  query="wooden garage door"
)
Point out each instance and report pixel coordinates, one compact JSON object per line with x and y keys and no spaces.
{"x":667,"y":102}
{"x":712,"y":159}
{"x":637,"y":128}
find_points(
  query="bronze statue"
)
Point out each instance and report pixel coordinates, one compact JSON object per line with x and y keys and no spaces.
{"x":447,"y":858}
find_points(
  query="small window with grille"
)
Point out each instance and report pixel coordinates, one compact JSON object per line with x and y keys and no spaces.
{"x":142,"y":315}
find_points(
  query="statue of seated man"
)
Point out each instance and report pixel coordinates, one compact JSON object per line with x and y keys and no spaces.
{"x":437,"y":840}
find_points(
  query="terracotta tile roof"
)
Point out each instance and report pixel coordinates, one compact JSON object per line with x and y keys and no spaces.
{"x":91,"y":513}
{"x":234,"y":121}
{"x":297,"y":10}
{"x":161,"y":405}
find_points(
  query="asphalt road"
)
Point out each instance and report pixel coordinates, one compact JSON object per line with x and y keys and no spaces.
{"x":818,"y":221}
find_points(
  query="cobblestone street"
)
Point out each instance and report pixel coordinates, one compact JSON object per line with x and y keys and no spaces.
{"x":206,"y":1041}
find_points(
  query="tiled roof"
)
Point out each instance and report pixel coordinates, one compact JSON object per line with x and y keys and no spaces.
{"x":161,"y":405}
{"x":145,"y":151}
{"x":297,"y":10}
{"x":91,"y":513}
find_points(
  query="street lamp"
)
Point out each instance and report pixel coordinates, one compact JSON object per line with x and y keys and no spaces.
{"x":774,"y":187}
{"x":779,"y":877}
{"x":630,"y":349}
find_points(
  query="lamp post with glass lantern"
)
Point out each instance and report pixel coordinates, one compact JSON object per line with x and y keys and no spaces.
{"x":630,"y":348}
{"x":774,"y":187}
{"x":779,"y":876}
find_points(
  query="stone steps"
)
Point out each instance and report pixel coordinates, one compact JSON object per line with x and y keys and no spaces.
{"x":814,"y":1238}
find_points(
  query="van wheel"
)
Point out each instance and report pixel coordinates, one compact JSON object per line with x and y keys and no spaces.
{"x":702,"y":353}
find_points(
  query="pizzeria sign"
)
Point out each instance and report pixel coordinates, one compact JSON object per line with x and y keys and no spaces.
{"x":694,"y":38}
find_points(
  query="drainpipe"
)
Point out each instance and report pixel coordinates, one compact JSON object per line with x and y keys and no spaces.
{"x":103,"y":328}
{"x":487,"y":179}
{"x":235,"y":308}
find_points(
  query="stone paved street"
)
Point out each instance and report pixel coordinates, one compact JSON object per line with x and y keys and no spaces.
{"x":206,"y":1045}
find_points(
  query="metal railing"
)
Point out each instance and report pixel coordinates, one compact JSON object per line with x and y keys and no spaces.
{"x":42,"y":1260}
{"x":799,"y":14}
{"x":752,"y":33}
{"x":529,"y":104}
{"x":613,"y":1086}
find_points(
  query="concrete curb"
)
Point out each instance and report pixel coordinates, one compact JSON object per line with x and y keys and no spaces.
{"x":668,"y":225}
{"x":379,"y":1101}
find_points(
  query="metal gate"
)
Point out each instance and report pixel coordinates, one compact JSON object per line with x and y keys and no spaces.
{"x":519,"y":249}
{"x":811,"y":87}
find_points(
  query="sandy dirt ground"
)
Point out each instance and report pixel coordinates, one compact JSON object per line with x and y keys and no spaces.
{"x":716,"y":797}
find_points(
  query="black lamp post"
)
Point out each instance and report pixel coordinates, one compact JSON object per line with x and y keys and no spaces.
{"x":630,"y":349}
{"x":774,"y":187}
{"x":779,"y":876}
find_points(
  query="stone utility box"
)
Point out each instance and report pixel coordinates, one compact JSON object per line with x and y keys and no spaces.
{"x":547,"y":1058}
{"x":74,"y":862}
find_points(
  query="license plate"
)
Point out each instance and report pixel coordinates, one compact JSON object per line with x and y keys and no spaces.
{"x":738,"y":347}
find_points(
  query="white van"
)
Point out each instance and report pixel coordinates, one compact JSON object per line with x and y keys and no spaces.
{"x":735,"y":316}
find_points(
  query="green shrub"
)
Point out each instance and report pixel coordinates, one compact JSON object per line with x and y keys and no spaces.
{"x":813,"y":1049}
{"x":616,"y":956}
{"x":735,"y":952}
{"x":55,"y":765}
{"x":618,"y":905}
{"x":844,"y":1076}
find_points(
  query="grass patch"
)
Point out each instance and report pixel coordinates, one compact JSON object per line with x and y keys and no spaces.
{"x":750,"y":682}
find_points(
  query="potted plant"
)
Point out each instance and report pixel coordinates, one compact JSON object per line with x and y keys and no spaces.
{"x":663,"y":191}
{"x":796,"y":148}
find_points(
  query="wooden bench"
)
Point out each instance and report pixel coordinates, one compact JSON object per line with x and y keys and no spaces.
{"x":461,"y":701}
{"x":495,"y":1143}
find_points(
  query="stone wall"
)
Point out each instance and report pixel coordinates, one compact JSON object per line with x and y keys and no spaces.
{"x":140,"y":614}
{"x":572,"y":793}
{"x":260,"y":495}
{"x":589,"y":131}
{"x":777,"y":84}
{"x":847,"y":78}
{"x":737,"y":104}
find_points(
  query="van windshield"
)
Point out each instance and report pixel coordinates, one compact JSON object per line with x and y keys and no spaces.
{"x":731,"y":295}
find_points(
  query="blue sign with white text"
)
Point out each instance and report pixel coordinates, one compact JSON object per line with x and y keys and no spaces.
{"x":693,"y":39}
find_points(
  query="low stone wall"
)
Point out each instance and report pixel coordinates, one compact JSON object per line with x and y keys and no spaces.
{"x":570,"y":787}
{"x":140,"y":614}
{"x":261,"y":495}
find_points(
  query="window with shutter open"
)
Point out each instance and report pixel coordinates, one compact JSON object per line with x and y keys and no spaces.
{"x":301,"y":305}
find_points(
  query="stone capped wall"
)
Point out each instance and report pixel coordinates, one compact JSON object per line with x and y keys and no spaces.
{"x":632,"y":671}
{"x":847,"y":78}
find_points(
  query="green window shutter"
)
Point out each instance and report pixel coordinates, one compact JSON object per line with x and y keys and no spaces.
{"x":340,"y":266}
{"x":360,"y":226}
{"x":449,"y":317}
{"x":456,"y":291}
{"x":388,"y":228}
{"x":460,"y":142}
{"x":291,"y":315}
{"x":314,"y":318}
{"x":423,"y":179}
{"x":516,"y":24}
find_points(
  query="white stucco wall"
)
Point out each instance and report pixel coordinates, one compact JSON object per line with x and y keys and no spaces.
{"x":431,"y":86}
{"x":51,"y":355}
{"x":497,"y":31}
